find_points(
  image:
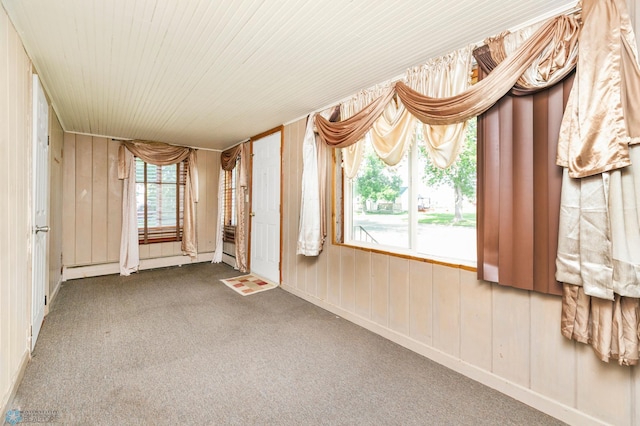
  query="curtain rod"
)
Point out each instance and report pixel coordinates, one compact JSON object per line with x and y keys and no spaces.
{"x":552,"y":14}
{"x":99,"y":136}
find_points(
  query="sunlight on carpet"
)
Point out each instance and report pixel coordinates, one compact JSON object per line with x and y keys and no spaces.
{"x":248,"y":284}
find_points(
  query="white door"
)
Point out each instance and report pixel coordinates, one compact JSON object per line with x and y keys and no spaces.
{"x":265,"y":208}
{"x":41,"y":207}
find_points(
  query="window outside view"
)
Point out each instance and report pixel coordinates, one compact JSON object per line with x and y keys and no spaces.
{"x":415,"y":207}
{"x":158,"y":206}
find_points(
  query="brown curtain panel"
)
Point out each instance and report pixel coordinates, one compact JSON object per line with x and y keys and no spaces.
{"x":611,"y":327}
{"x":228,"y":160}
{"x":519,"y":188}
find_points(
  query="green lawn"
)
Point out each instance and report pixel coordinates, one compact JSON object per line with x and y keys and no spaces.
{"x":468,"y":219}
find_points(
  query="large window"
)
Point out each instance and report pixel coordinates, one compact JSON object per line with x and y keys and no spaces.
{"x":160,"y":201}
{"x":415,"y":208}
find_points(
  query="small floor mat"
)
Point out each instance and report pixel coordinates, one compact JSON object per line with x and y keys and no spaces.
{"x":248,"y":284}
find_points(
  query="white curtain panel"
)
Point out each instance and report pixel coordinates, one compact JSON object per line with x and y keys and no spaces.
{"x":599,"y":243}
{"x":443,"y":77}
{"x":393,"y":133}
{"x":310,"y":231}
{"x":129,"y":250}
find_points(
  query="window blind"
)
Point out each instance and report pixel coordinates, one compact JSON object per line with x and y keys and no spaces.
{"x":229,"y":230}
{"x":160,"y":195}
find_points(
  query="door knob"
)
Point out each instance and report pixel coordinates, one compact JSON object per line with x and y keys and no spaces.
{"x":44,"y":228}
{"x":252,"y":214}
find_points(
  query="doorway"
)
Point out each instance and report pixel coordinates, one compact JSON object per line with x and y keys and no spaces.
{"x":265,"y":206}
{"x":40,"y":207}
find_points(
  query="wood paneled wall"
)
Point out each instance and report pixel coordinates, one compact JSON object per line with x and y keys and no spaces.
{"x":506,"y":338}
{"x":15,"y":210}
{"x":56,"y":141}
{"x":92,"y":207}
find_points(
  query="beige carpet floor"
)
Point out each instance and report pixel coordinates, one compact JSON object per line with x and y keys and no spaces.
{"x":176,"y":346}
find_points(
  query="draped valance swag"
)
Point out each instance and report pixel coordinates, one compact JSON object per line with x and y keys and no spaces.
{"x":560,"y":31}
{"x":393,"y":132}
{"x":160,"y":154}
{"x":229,"y":157}
{"x":446,"y":76}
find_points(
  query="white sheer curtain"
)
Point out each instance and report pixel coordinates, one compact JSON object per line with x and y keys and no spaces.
{"x":129,"y":251}
{"x":217,"y":254}
{"x":393,"y":132}
{"x":311,"y":230}
{"x":443,"y":77}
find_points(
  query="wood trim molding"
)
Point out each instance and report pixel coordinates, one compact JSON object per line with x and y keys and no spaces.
{"x":409,"y":257}
{"x":16,"y":380}
{"x":334,"y":240}
{"x":85,"y":271}
{"x":279,"y":128}
{"x":281,"y":202}
{"x":250,"y":206}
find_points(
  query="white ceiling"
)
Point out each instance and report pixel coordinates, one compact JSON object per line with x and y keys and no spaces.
{"x":209,"y":73}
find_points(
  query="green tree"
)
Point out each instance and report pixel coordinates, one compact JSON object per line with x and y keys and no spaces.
{"x":375,"y":181}
{"x":461,"y":175}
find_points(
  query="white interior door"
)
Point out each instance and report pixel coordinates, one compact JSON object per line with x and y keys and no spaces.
{"x":41,"y":207}
{"x":265,"y":208}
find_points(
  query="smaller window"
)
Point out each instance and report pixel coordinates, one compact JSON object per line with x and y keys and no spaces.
{"x":229,"y":234}
{"x":160,"y":201}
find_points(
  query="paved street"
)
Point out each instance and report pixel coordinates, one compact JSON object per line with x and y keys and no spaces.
{"x":456,"y":242}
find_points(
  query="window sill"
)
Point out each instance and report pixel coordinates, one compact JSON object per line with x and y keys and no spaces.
{"x":160,"y":240}
{"x":452,"y":263}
